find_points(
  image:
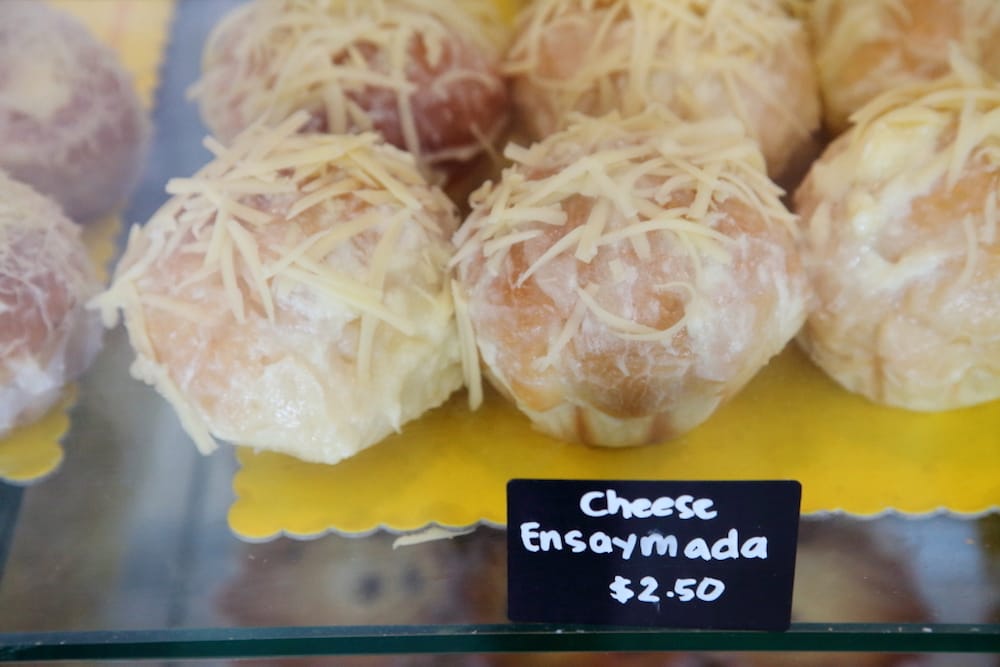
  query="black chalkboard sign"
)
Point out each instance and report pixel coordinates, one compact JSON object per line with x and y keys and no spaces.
{"x":710,"y":555}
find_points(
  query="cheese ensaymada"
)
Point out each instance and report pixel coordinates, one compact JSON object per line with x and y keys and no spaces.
{"x":304,"y":309}
{"x":270,"y":58}
{"x":900,"y":220}
{"x":608,"y":250}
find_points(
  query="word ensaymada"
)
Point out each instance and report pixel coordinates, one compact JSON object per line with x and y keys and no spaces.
{"x":728,"y":547}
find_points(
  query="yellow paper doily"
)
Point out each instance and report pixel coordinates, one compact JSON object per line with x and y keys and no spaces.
{"x":137,"y":30}
{"x":33,"y":451}
{"x":451,"y":466}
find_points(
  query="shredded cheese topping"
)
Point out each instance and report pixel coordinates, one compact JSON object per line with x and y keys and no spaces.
{"x":350,"y":63}
{"x":636,"y":175}
{"x":910,"y":140}
{"x":900,"y":226}
{"x":941,"y":125}
{"x":700,"y":58}
{"x":263,"y":219}
{"x":865,"y":48}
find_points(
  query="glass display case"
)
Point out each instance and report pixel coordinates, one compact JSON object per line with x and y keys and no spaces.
{"x":125,"y":553}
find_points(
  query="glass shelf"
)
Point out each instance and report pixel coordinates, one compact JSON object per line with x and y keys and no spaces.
{"x":480,"y":639}
{"x":125,"y":552}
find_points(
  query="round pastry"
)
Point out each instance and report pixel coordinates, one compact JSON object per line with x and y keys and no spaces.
{"x":71,"y":125}
{"x":699,"y":58}
{"x":293,"y":295}
{"x":866,"y":47}
{"x":47,"y":338}
{"x":625,"y":277}
{"x":901,"y":243}
{"x":422,"y":73}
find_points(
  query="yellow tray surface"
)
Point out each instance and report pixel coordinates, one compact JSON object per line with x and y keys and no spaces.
{"x":450,"y":467}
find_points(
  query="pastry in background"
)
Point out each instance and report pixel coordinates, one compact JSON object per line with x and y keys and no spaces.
{"x":47,"y":337}
{"x":866,"y":47}
{"x":423,"y":73}
{"x":901,"y":240}
{"x":844,"y":574}
{"x":343,"y":581}
{"x":71,"y":125}
{"x":699,"y":58}
{"x":293,"y":294}
{"x":624,"y":278}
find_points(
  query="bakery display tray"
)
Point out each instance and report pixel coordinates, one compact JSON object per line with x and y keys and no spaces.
{"x":126,"y":551}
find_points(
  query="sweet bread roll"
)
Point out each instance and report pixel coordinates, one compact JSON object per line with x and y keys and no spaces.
{"x":901,"y":243}
{"x":866,"y":47}
{"x":423,"y":73}
{"x":626,"y":277}
{"x":71,"y":125}
{"x":47,"y":338}
{"x":292,"y":296}
{"x":700,"y":59}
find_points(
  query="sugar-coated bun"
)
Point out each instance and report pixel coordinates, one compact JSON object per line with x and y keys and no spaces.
{"x":699,"y":58}
{"x":47,"y":338}
{"x":423,"y":73}
{"x":902,"y":246}
{"x":71,"y":125}
{"x":626,"y":277}
{"x":292,"y":296}
{"x":866,"y":47}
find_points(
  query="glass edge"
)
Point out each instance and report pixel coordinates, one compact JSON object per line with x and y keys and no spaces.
{"x":371,"y":640}
{"x":10,"y":505}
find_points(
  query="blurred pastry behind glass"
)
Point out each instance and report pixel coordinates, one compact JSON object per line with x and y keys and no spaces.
{"x":341,"y":581}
